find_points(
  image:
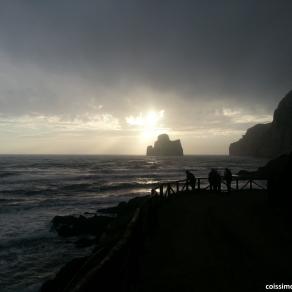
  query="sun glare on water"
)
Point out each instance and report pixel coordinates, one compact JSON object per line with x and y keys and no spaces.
{"x":149,"y":125}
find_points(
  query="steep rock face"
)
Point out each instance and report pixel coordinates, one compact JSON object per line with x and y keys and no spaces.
{"x":165,"y":147}
{"x":268,"y":140}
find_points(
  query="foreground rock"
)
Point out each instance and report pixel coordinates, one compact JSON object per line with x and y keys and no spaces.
{"x":279,"y":175}
{"x":275,"y":167}
{"x":71,"y":225}
{"x":268,"y":140}
{"x":165,"y":147}
{"x":111,"y":229}
{"x":125,"y":208}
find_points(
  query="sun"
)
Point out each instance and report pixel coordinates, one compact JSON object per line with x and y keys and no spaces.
{"x":149,"y":124}
{"x":151,"y":127}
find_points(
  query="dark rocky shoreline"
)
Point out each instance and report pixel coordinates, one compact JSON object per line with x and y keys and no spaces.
{"x":95,"y":230}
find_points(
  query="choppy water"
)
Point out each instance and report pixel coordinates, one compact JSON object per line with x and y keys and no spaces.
{"x":33,"y":189}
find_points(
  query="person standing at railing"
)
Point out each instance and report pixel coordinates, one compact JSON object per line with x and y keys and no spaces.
{"x":211,"y":179}
{"x":228,"y":179}
{"x":191,"y":179}
{"x":217,"y":181}
{"x":214,"y":180}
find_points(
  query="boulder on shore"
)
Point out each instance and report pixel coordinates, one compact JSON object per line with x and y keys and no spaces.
{"x":268,"y":140}
{"x":79,"y":225}
{"x":278,"y":173}
{"x":165,"y":147}
{"x":274,"y":167}
{"x":71,"y":225}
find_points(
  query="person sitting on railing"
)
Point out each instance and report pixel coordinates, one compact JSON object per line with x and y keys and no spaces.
{"x":191,"y":179}
{"x":228,"y":179}
{"x":214,"y":180}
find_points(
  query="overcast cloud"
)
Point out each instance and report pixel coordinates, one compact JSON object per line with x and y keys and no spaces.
{"x":84,"y":67}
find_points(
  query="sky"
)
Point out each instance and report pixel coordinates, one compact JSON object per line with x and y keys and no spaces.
{"x":108,"y":76}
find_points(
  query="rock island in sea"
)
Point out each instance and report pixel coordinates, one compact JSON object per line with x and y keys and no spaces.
{"x":165,"y":147}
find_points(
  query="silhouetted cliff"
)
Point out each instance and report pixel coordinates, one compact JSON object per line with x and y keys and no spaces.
{"x":268,"y":140}
{"x":165,"y":147}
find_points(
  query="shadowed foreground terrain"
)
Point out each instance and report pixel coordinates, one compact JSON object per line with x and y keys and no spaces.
{"x":209,"y":241}
{"x":196,"y":242}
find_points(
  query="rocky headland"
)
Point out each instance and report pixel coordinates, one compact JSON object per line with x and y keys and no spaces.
{"x":165,"y":147}
{"x":101,"y":231}
{"x":268,"y":140}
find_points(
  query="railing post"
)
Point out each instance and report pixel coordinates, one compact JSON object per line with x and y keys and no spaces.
{"x":237,"y":184}
{"x":250,"y":184}
{"x":177,"y":187}
{"x":161,"y":190}
{"x":199,"y":183}
{"x":187,"y":186}
{"x":168,"y":190}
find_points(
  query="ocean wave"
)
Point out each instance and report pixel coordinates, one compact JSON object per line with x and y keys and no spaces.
{"x":4,"y":174}
{"x":27,"y":241}
{"x":127,"y":185}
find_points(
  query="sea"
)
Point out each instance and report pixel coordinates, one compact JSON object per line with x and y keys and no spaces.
{"x":34,"y":189}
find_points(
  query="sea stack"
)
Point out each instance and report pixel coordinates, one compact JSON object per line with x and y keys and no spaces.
{"x":165,"y":147}
{"x":268,"y":140}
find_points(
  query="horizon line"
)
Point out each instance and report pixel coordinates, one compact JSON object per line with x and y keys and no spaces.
{"x":112,"y":154}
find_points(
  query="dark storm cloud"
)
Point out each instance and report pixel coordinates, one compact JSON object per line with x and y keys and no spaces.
{"x":198,"y":49}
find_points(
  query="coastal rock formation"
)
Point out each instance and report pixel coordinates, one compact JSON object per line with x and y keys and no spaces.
{"x":71,"y":225}
{"x":278,"y":173}
{"x":165,"y":147}
{"x":268,"y":140}
{"x":272,"y":168}
{"x":115,"y":228}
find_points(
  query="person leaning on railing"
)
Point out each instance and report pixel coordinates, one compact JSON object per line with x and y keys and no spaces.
{"x":228,"y":179}
{"x":214,"y":180}
{"x":191,"y":179}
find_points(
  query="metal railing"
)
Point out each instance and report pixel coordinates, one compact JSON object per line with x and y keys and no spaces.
{"x":165,"y":189}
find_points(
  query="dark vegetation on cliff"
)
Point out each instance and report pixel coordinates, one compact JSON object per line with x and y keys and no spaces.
{"x":268,"y":140}
{"x":165,"y":147}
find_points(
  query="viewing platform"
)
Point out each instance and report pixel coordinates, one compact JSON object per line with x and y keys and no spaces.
{"x":238,"y":183}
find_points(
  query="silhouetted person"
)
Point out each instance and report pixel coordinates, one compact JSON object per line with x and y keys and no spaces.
{"x":191,"y":180}
{"x":217,"y":181}
{"x":214,"y":180}
{"x":228,"y":179}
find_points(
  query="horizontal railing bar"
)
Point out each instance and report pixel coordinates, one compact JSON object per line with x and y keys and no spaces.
{"x":182,"y":185}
